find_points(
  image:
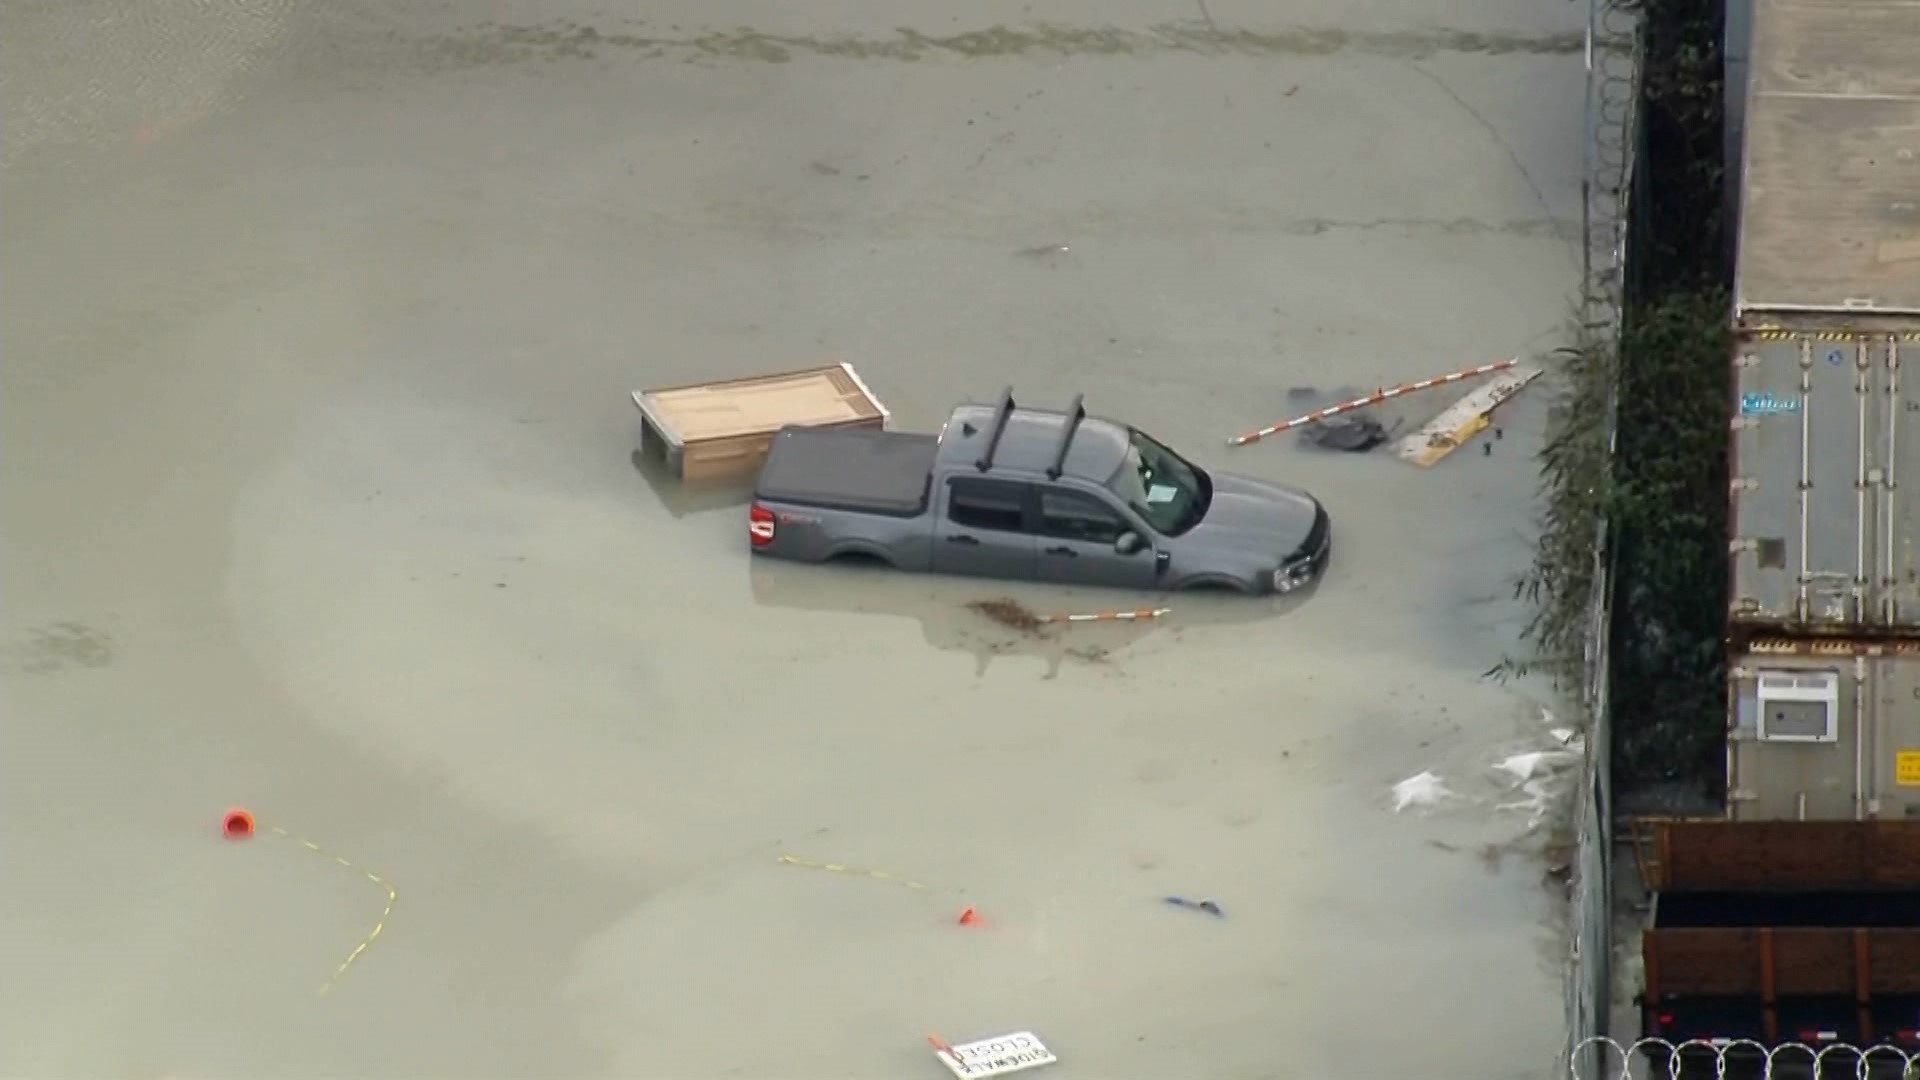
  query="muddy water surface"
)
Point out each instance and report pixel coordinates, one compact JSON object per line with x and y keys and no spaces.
{"x":319,"y":499}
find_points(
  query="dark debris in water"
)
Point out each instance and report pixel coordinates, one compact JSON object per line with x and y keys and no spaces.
{"x":1355,"y":433}
{"x":1352,"y":432}
{"x":1010,"y":613}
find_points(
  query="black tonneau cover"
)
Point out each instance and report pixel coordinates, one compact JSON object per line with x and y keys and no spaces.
{"x":876,"y":472}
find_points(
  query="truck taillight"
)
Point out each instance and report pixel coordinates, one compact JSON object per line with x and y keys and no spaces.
{"x":1814,"y":1035}
{"x":760,"y":525}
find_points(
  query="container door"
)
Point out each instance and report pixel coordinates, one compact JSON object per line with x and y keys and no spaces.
{"x":1792,"y":746}
{"x":1766,"y":473}
{"x":1897,"y":593}
{"x":1895,"y":748}
{"x":982,"y":530}
{"x":1803,"y":509}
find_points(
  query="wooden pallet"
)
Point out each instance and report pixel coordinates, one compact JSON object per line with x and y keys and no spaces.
{"x":714,"y":430}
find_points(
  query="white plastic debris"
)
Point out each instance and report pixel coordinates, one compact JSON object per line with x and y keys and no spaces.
{"x":1525,"y":766}
{"x":1538,"y":802}
{"x":1424,"y":789}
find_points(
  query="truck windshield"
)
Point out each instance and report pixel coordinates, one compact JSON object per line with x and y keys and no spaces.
{"x":1161,"y":486}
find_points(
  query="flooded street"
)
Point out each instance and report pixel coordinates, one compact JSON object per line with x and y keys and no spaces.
{"x":319,"y":325}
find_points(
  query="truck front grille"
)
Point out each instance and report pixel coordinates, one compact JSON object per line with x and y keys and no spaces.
{"x":1302,"y":559}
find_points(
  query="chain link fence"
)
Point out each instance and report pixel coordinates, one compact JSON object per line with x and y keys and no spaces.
{"x":1613,"y":52}
{"x":1602,"y":1058}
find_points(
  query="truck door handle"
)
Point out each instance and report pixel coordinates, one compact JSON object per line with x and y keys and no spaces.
{"x":958,"y":538}
{"x":1067,"y":551}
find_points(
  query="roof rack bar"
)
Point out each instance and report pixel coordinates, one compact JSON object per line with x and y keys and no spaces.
{"x":1002,"y":412}
{"x":1076,"y":412}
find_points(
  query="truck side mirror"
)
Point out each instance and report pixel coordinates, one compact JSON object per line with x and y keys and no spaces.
{"x":1128,"y":542}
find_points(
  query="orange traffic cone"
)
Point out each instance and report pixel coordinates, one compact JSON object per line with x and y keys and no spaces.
{"x":237,"y":824}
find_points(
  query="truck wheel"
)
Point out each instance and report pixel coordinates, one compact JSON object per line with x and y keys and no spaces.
{"x":1215,"y":585}
{"x":859,"y":559}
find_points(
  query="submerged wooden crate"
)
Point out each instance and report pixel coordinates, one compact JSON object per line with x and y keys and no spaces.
{"x":723,"y":429}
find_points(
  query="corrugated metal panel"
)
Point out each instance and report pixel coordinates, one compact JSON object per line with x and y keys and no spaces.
{"x":1860,"y":760}
{"x":1805,"y":961}
{"x":1825,"y":433}
{"x":1786,"y":856}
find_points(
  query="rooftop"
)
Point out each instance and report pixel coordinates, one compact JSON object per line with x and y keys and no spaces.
{"x":1830,"y":200}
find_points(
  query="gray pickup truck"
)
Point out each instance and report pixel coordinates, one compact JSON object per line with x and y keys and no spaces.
{"x":1008,"y":492}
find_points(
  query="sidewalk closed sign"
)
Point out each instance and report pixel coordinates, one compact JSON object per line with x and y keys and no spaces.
{"x":997,"y":1056}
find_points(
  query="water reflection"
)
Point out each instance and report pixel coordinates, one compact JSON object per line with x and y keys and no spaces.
{"x":681,"y":499}
{"x":948,"y":611}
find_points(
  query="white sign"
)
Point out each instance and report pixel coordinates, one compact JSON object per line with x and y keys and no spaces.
{"x":997,"y":1056}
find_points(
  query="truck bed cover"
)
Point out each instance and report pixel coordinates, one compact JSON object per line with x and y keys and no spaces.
{"x":878,"y":472}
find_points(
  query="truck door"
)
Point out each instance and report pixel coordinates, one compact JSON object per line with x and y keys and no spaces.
{"x":982,"y":530}
{"x":1077,"y":535}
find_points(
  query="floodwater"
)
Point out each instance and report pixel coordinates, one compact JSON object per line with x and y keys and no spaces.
{"x":319,"y":321}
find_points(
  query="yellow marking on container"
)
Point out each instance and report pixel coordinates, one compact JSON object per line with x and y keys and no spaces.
{"x":1774,"y":333}
{"x":849,"y":871}
{"x":393,"y":897}
{"x":1906,"y":768}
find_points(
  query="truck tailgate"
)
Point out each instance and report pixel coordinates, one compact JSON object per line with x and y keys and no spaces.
{"x":876,"y":472}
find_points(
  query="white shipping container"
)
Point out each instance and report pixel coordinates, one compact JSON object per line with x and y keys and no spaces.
{"x":1824,"y":731}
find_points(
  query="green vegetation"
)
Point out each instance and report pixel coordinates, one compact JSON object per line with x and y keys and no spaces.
{"x":1664,"y":493}
{"x":1669,"y":517}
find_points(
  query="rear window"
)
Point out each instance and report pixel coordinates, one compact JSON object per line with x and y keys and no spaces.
{"x":987,"y":504}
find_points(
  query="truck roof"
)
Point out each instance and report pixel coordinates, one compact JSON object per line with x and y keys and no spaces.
{"x":1031,"y":441}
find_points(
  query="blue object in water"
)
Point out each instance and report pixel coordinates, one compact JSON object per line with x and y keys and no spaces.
{"x":1207,"y":906}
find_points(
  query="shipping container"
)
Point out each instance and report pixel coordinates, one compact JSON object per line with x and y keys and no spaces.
{"x":1824,"y":730}
{"x":1826,"y":295}
{"x":1823,"y":536}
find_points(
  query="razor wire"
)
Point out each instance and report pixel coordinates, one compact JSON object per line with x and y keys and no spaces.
{"x":1613,"y":52}
{"x":1602,"y":1058}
